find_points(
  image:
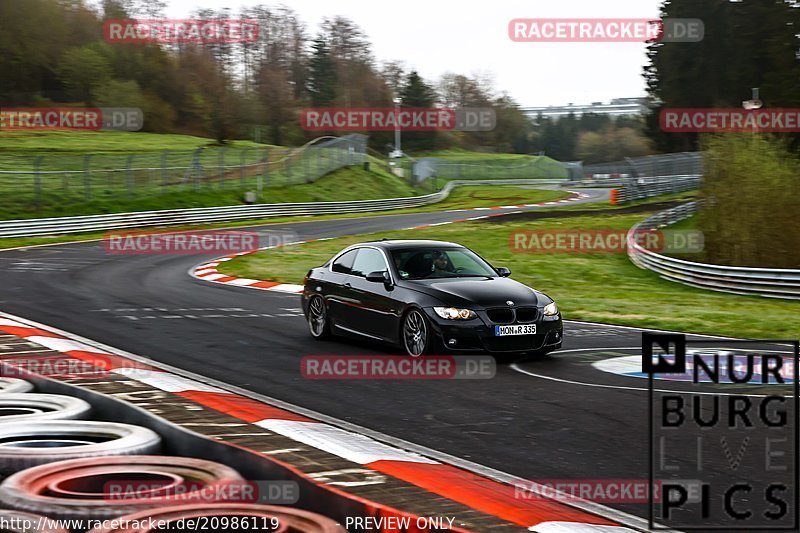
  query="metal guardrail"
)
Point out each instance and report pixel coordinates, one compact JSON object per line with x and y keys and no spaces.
{"x":662,"y":165}
{"x":204,"y":215}
{"x":767,"y":282}
{"x":641,"y":188}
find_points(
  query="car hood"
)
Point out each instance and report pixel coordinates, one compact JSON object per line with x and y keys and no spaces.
{"x":480,"y":292}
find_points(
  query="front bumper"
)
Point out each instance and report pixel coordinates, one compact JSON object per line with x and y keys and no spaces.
{"x":477,"y":335}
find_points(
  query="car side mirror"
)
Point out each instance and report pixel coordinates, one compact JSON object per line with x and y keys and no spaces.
{"x":503,"y":271}
{"x":379,"y":276}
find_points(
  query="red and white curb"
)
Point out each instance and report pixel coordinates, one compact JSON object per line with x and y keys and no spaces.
{"x":477,"y":492}
{"x":208,"y":271}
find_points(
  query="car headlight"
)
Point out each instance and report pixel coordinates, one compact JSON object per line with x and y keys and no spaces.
{"x":454,"y":313}
{"x":551,"y":309}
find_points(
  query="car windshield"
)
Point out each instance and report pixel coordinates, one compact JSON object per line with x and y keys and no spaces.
{"x":431,"y":262}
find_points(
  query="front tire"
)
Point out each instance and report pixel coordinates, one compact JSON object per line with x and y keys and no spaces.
{"x":317,"y":318}
{"x":416,"y":335}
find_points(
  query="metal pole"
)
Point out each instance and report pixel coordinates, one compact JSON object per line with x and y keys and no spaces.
{"x":222,"y":168}
{"x":128,"y":164}
{"x":164,"y":156}
{"x":305,"y":165}
{"x":242,"y":163}
{"x":262,"y":181}
{"x":87,"y":184}
{"x":37,"y":181}
{"x":397,"y":145}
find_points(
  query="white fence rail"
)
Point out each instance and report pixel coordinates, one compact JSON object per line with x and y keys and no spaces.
{"x":768,"y":282}
{"x":204,"y":215}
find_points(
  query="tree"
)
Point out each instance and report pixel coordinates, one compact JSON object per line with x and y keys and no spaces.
{"x":611,"y":144}
{"x":393,"y":74}
{"x":748,"y":43}
{"x":418,"y":94}
{"x":322,"y":77}
{"x":82,"y":71}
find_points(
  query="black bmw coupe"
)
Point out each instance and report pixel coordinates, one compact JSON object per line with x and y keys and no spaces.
{"x":428,"y":297}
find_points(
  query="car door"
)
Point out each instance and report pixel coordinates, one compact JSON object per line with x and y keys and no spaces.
{"x":338,"y":292}
{"x":376,"y":313}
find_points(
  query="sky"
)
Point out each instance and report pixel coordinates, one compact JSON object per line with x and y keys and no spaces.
{"x":471,"y":37}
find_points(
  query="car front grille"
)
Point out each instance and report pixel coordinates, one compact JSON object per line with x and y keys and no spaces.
{"x":526,"y":315}
{"x":501,"y":315}
{"x":507,"y":315}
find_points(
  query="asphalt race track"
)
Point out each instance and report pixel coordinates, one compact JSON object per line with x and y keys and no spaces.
{"x":553,"y":418}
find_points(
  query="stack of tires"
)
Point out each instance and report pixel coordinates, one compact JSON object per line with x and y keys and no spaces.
{"x":56,"y":463}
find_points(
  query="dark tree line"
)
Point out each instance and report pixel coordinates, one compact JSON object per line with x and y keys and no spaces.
{"x":591,"y":138}
{"x":750,"y":188}
{"x":747,"y":44}
{"x":52,"y":52}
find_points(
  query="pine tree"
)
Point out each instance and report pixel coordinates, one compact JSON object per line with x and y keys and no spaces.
{"x":417,"y":93}
{"x":322,"y":77}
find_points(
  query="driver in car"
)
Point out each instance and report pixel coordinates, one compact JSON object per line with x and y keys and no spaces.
{"x":441,"y":262}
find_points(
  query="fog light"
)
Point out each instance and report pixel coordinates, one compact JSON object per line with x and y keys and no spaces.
{"x":451,"y":342}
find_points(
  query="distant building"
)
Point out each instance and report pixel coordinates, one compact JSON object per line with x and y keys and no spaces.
{"x":618,"y":107}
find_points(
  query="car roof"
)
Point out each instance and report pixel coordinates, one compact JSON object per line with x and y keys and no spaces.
{"x":391,"y":244}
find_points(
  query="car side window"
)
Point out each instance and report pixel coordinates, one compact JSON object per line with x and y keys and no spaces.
{"x":368,"y":260}
{"x":344,"y":264}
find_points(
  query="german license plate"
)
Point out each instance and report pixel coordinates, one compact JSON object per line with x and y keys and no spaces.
{"x":515,"y":329}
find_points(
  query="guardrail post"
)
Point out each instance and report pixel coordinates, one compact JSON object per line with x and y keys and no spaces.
{"x":222,"y":168}
{"x":195,"y":167}
{"x":242,"y":166}
{"x":37,"y":182}
{"x":87,"y":177}
{"x":318,"y":173}
{"x":164,"y":156}
{"x":129,"y":173}
{"x":266,"y":172}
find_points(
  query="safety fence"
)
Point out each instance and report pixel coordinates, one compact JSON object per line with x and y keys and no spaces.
{"x":521,"y":167}
{"x":768,"y":282}
{"x":639,"y":189}
{"x":652,"y":166}
{"x":205,"y":215}
{"x":64,"y":179}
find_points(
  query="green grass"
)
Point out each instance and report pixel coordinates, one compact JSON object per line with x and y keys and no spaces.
{"x":77,"y":142}
{"x":65,"y":150}
{"x":685,"y":224}
{"x":491,"y":196}
{"x":81,"y":173}
{"x":458,"y":199}
{"x":166,"y":172}
{"x":467,"y":155}
{"x":351,"y":183}
{"x":591,"y":287}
